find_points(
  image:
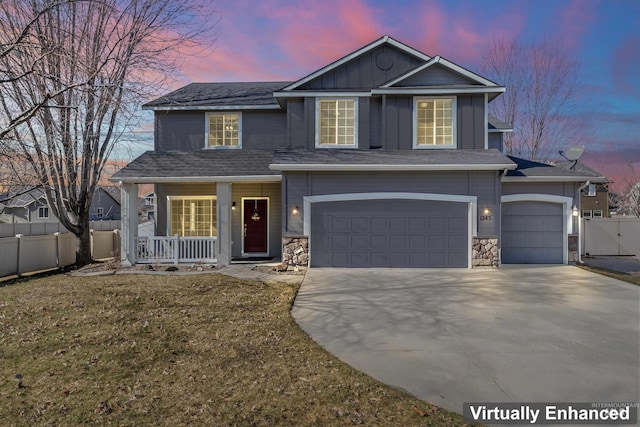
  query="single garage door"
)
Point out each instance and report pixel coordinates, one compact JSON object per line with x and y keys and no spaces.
{"x":532,"y":233}
{"x":389,"y":233}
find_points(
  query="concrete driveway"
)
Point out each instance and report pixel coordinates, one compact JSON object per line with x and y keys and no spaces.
{"x":448,"y":336}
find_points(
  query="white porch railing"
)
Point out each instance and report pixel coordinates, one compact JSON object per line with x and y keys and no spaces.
{"x":176,"y":249}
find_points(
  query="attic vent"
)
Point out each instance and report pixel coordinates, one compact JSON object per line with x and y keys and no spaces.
{"x":384,"y":61}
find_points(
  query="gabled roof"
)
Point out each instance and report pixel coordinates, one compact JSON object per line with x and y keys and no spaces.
{"x":497,"y":125}
{"x":113,"y":192}
{"x":24,"y":196}
{"x":447,"y":64}
{"x":531,"y":170}
{"x":384,"y":39}
{"x":292,"y":159}
{"x":199,"y":166}
{"x":219,"y":96}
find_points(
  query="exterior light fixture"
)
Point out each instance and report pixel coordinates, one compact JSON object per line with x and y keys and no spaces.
{"x":295,"y":210}
{"x":486,"y":211}
{"x":575,"y":211}
{"x":233,"y":206}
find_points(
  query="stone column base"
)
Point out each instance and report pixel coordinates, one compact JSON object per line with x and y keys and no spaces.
{"x":485,"y":252}
{"x":295,"y":251}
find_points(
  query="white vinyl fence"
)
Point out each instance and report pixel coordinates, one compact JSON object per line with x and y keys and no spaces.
{"x":21,"y":254}
{"x":26,"y":254}
{"x":612,"y":236}
{"x":42,"y":228}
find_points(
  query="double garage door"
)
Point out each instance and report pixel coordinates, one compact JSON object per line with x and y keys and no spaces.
{"x":532,"y":233}
{"x":389,"y":233}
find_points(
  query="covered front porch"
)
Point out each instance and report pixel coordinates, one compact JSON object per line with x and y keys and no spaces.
{"x":211,"y":218}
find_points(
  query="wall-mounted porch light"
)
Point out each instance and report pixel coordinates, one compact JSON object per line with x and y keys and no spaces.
{"x":295,"y":210}
{"x":486,"y":211}
{"x":575,"y":211}
{"x":233,"y":206}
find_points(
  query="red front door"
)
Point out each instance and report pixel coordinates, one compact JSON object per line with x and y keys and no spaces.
{"x":255,"y":226}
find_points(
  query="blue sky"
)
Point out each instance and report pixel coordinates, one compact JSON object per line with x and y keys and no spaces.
{"x":286,"y":40}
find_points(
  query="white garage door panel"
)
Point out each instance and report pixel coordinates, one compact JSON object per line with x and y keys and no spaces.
{"x":389,"y":233}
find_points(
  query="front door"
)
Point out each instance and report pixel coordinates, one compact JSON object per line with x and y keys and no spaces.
{"x":255,"y":226}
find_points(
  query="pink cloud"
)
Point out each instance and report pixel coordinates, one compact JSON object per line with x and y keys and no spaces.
{"x":625,"y":66}
{"x":574,"y":21}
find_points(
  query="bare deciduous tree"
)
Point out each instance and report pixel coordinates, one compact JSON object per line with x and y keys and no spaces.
{"x":72,"y":74}
{"x":540,"y":99}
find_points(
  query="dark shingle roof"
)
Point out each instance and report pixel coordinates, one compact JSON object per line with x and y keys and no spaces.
{"x":336,"y":157}
{"x":497,"y":124}
{"x":21,"y":197}
{"x":158,"y":165}
{"x":113,"y":191}
{"x":220,"y":95}
{"x":535,"y":169}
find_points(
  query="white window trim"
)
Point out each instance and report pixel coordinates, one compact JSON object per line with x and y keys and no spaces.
{"x":587,"y":213}
{"x":355,"y":122}
{"x":47,"y":211}
{"x":598,"y":213}
{"x":206,"y":131}
{"x":171,"y":198}
{"x":454,"y":119}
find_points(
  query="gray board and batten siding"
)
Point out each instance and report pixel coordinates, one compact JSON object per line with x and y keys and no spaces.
{"x":485,"y":185}
{"x":185,"y":130}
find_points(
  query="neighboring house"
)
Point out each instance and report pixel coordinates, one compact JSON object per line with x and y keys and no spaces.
{"x":26,"y":205}
{"x":594,"y":193}
{"x":147,"y":210}
{"x":386,"y":157}
{"x":105,"y":205}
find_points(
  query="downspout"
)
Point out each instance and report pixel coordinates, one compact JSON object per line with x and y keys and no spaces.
{"x":582,"y":187}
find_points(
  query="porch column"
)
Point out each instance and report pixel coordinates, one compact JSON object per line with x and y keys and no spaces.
{"x":223,"y":244}
{"x":129,"y":224}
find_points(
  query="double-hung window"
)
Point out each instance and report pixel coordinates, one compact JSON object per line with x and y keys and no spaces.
{"x":224,"y":130}
{"x":336,"y":122}
{"x":43,"y":212}
{"x":434,"y":122}
{"x":192,"y":216}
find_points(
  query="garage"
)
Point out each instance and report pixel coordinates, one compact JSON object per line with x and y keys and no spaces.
{"x":533,"y":233}
{"x":389,"y":233}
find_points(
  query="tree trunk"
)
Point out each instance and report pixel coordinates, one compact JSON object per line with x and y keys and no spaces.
{"x":83,"y":256}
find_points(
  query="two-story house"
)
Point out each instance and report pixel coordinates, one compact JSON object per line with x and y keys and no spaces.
{"x":386,"y":157}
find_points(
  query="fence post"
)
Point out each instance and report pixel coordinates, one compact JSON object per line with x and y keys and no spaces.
{"x":115,"y":245}
{"x":57,"y":234}
{"x":91,"y":242}
{"x":176,"y":249}
{"x":19,"y":237}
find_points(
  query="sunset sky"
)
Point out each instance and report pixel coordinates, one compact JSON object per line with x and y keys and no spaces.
{"x":265,"y":40}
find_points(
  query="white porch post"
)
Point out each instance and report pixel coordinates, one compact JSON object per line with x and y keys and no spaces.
{"x":129,"y":224}
{"x":223,"y":243}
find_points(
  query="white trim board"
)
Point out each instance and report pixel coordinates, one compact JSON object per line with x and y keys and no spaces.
{"x":197,"y":179}
{"x":472,"y":225}
{"x":314,"y":167}
{"x":567,"y":224}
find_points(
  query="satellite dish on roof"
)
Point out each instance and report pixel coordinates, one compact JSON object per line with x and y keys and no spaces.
{"x":573,"y":154}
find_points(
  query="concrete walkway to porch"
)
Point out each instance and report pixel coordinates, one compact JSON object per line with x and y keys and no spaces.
{"x":246,"y":272}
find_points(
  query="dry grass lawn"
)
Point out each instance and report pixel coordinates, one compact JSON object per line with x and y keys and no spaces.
{"x":178,"y":350}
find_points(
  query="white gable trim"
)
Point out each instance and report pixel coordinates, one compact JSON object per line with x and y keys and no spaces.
{"x":447,"y":64}
{"x":345,"y":59}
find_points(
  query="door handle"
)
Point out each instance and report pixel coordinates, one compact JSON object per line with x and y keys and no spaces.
{"x":245,"y":230}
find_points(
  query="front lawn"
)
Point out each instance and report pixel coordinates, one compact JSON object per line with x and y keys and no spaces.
{"x":178,"y":350}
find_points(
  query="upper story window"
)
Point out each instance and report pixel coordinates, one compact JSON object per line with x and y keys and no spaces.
{"x":434,"y":123}
{"x":99,"y":212}
{"x":336,"y":122}
{"x":43,"y":212}
{"x":224,"y":130}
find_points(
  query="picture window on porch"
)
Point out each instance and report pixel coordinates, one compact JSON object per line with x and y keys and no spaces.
{"x":336,"y":122}
{"x":192,"y":216}
{"x":434,"y":123}
{"x":224,"y":130}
